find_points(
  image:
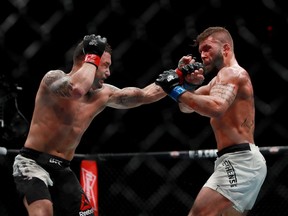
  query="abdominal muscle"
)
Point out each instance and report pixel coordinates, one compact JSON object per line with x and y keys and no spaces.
{"x":228,"y":134}
{"x":55,"y":138}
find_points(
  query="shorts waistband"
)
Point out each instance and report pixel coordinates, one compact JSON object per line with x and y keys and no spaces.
{"x":44,"y":158}
{"x":234,"y":148}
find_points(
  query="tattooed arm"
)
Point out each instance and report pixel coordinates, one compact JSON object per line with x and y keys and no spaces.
{"x":73,"y":85}
{"x":130,"y":97}
{"x":211,"y":100}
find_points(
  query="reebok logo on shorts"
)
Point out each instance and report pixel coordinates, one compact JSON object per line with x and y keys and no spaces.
{"x":232,"y":178}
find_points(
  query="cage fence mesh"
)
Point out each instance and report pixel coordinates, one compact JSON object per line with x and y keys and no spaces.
{"x":37,"y":36}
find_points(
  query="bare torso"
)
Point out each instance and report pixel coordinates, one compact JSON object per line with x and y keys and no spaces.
{"x":236,"y":124}
{"x":229,"y":102}
{"x":58,"y":123}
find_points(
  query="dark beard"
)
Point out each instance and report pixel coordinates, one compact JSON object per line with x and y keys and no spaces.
{"x":217,"y":64}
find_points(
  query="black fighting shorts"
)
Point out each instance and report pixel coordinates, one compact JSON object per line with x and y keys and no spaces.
{"x":42,"y":176}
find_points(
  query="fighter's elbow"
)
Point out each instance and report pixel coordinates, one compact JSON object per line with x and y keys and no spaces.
{"x":185,"y":109}
{"x":217,"y":112}
{"x":77,"y":93}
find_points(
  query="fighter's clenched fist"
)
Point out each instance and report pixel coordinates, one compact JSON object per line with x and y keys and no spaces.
{"x":169,"y":81}
{"x":93,"y":48}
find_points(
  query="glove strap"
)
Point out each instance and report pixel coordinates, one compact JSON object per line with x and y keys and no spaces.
{"x":180,"y":75}
{"x":176,"y":92}
{"x":189,"y":86}
{"x":92,"y":59}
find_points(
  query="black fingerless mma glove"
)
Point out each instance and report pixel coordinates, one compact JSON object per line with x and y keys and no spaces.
{"x":169,"y":81}
{"x":93,"y":48}
{"x":188,"y":69}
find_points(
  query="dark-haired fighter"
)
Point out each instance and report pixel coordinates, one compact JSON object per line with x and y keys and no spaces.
{"x":65,"y":105}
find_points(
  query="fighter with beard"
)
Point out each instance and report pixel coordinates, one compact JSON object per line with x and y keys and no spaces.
{"x":228,"y":100}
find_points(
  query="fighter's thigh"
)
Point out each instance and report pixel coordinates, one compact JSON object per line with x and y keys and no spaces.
{"x":42,"y":207}
{"x":33,"y":189}
{"x":67,"y":193}
{"x":233,"y":212}
{"x":208,"y":201}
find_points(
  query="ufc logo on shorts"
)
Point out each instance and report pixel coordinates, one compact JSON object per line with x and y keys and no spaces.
{"x":55,"y":161}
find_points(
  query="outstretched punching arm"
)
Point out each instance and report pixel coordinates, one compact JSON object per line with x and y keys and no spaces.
{"x":131,"y":97}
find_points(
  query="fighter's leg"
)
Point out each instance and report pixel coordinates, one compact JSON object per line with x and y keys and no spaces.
{"x":210,"y":203}
{"x":42,"y":207}
{"x":233,"y":212}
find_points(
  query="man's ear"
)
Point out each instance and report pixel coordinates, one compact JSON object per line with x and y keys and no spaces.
{"x":226,"y":49}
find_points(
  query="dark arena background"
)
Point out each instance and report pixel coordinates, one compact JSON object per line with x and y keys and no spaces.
{"x":147,"y":37}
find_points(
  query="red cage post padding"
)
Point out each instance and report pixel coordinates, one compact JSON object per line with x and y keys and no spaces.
{"x":89,"y":182}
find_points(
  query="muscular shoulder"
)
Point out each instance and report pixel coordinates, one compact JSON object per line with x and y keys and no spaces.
{"x":108,"y":90}
{"x":235,"y":74}
{"x":239,"y":78}
{"x":52,"y":76}
{"x":111,"y":88}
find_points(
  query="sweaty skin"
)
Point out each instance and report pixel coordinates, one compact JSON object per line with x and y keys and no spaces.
{"x":227,"y":99}
{"x":66,"y":104}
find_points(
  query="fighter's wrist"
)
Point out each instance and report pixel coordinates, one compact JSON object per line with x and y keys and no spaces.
{"x":189,"y":86}
{"x":92,"y":59}
{"x":176,"y":92}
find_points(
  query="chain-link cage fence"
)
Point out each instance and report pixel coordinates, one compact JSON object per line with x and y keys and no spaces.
{"x":167,"y":183}
{"x":159,"y":183}
{"x":147,"y":37}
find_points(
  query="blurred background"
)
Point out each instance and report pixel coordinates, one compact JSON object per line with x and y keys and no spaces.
{"x":147,"y":38}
